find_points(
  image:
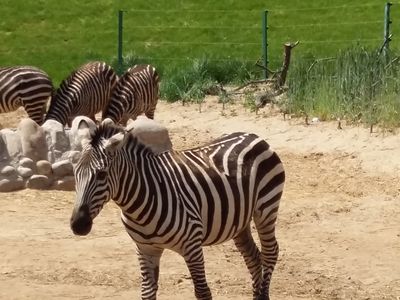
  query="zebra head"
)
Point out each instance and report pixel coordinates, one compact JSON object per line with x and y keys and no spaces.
{"x":93,"y":182}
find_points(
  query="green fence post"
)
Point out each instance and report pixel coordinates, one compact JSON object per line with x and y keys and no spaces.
{"x":265,"y":42}
{"x":386,"y":29}
{"x":120,"y":31}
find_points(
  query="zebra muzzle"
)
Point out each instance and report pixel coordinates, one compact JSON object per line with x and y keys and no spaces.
{"x":81,"y":222}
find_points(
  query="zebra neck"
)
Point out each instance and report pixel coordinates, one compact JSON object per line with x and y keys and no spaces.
{"x":138,"y":188}
{"x":60,"y":109}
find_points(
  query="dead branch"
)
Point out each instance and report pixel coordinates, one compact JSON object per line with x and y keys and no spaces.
{"x":384,"y":43}
{"x":317,"y":61}
{"x":252,"y":82}
{"x":286,"y":62}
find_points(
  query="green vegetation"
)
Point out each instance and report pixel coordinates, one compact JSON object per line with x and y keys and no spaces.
{"x":195,"y":44}
{"x":359,"y":85}
{"x":58,"y":36}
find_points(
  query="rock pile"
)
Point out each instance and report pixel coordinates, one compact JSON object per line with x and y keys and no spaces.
{"x":42,"y":157}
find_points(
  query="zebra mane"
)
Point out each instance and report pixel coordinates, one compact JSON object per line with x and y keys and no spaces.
{"x":67,"y":81}
{"x":104,"y":131}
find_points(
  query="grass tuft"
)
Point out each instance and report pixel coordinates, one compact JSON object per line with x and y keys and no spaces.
{"x":359,"y":85}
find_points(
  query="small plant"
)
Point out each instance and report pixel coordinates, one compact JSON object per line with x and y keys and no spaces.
{"x":191,"y":82}
{"x":249,"y":102}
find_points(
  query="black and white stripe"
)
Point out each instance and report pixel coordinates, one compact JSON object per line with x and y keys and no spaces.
{"x":185,"y":200}
{"x":135,"y":93}
{"x":25,"y":86}
{"x":85,"y":92}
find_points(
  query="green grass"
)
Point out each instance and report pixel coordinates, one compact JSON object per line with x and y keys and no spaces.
{"x":194,"y":44}
{"x":359,"y":85}
{"x":59,"y":36}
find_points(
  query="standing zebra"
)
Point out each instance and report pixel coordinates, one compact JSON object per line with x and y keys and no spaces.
{"x":25,"y":86}
{"x":184,"y":200}
{"x":85,"y":92}
{"x":135,"y":93}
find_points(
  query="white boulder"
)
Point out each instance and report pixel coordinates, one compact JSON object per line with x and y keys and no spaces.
{"x":33,"y":139}
{"x":43,"y":167}
{"x":151,"y":134}
{"x":62,"y":168}
{"x":9,"y":185}
{"x":38,"y":182}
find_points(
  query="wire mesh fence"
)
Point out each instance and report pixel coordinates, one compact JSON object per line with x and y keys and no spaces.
{"x":59,"y":39}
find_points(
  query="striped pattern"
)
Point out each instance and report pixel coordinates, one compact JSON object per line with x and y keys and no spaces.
{"x":85,"y":92}
{"x":25,"y":86}
{"x":185,"y":200}
{"x":136,"y":93}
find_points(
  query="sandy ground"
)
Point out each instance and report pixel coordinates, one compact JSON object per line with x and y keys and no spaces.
{"x":338,"y":226}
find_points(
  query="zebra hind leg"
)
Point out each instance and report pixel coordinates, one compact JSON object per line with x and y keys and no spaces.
{"x":36,"y":112}
{"x":149,"y":266}
{"x":248,"y":249}
{"x":269,"y":250}
{"x":195,"y":263}
{"x":150,"y":114}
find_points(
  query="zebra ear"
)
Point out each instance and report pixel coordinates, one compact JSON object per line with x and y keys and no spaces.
{"x":107,"y":121}
{"x":114,"y":143}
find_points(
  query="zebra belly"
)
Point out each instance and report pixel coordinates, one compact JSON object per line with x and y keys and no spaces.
{"x":215,"y":237}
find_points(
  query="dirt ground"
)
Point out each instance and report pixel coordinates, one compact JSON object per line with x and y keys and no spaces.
{"x":338,"y":226}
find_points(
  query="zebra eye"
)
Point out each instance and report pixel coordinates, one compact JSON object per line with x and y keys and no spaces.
{"x":101,"y":175}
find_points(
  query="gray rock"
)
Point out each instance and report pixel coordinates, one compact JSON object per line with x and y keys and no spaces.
{"x":8,"y":171}
{"x":50,"y":156}
{"x":12,"y":141}
{"x":27,"y":163}
{"x":3,"y":149}
{"x":151,"y":133}
{"x":9,"y":185}
{"x":65,"y":184}
{"x":33,"y":139}
{"x":57,"y":155}
{"x":72,"y":156}
{"x":79,"y":136}
{"x":24,"y":172}
{"x":56,"y":137}
{"x":38,"y":182}
{"x":62,"y":168}
{"x":44,"y":168}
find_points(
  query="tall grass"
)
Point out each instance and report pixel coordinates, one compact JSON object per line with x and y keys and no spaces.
{"x":59,"y":36}
{"x":192,"y":80}
{"x":357,"y":85}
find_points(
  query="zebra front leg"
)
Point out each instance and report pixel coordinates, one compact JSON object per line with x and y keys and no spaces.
{"x":149,"y":260}
{"x":195,"y":263}
{"x":244,"y":242}
{"x":269,"y":249}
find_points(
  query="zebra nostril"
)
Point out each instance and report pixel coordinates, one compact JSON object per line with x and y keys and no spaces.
{"x":81,"y":222}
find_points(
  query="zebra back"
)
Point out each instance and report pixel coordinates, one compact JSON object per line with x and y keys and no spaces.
{"x":135,"y":93}
{"x":86,"y":91}
{"x":25,"y":86}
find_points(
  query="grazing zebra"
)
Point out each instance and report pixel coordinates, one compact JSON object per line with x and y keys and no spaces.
{"x":85,"y":92}
{"x":184,"y":200}
{"x":135,"y":93}
{"x":25,"y":86}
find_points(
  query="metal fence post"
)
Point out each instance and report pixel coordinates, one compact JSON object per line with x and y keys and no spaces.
{"x":120,"y":31}
{"x":386,"y":29}
{"x":265,"y":42}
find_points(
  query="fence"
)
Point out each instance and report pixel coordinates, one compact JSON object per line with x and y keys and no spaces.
{"x":239,"y":34}
{"x":59,"y":36}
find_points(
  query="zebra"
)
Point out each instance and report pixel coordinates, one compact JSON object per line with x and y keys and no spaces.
{"x":25,"y":86}
{"x":135,"y":93}
{"x":85,"y":91}
{"x":184,"y":200}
